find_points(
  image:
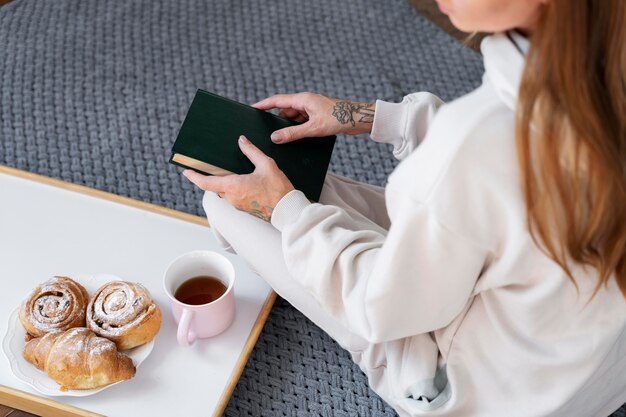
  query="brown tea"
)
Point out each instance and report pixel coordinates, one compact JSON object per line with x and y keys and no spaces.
{"x":200,"y":290}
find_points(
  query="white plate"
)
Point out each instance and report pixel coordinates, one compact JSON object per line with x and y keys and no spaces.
{"x":13,"y":346}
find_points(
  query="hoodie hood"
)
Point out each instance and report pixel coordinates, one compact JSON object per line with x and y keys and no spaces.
{"x":504,"y":58}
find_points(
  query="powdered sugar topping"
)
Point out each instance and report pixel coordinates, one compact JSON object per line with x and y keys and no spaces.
{"x":57,"y":304}
{"x":117,"y":307}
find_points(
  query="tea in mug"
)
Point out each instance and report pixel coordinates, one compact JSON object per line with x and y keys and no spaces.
{"x":200,"y":290}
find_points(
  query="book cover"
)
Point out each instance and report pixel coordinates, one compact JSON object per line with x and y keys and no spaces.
{"x":207,"y":143}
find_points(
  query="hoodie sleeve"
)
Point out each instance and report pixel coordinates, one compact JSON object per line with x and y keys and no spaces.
{"x":382,"y":286}
{"x":404,"y":124}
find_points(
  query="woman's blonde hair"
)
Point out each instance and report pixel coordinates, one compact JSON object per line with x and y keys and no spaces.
{"x":571,"y":135}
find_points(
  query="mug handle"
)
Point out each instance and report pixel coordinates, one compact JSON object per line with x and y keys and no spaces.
{"x":185,"y":335}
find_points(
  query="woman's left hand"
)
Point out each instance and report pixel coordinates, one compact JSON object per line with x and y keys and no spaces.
{"x":256,"y":193}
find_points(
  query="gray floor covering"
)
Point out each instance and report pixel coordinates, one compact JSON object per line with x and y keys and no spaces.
{"x":93,"y":92}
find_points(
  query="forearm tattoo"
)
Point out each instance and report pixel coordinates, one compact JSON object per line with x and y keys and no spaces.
{"x":348,"y":111}
{"x":262,"y":212}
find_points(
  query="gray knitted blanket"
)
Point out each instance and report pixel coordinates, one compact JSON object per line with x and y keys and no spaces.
{"x":93,"y":92}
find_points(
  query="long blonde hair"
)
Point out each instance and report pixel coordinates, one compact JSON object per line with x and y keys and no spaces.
{"x":571,"y":135}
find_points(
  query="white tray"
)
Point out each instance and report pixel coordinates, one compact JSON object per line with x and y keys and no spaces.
{"x":46,"y":230}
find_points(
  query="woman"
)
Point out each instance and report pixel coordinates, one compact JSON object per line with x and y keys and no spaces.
{"x":488,"y":277}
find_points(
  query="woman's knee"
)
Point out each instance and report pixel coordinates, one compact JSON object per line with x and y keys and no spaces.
{"x":208,"y":201}
{"x":213,"y":206}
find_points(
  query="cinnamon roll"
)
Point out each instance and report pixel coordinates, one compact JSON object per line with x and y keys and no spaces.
{"x":57,"y":304}
{"x":125,"y":313}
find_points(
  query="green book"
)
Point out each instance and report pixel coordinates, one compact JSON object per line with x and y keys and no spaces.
{"x":208,"y":143}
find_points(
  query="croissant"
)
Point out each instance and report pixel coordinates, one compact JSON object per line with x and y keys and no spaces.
{"x":77,"y":359}
{"x":57,"y":304}
{"x":125,"y":313}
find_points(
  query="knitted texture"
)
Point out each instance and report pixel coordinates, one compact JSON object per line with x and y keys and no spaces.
{"x":93,"y":92}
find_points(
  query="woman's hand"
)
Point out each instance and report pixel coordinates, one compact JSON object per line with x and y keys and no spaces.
{"x":319,"y":115}
{"x":256,"y":193}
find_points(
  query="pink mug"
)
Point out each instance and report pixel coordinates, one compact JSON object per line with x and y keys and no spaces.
{"x":205,"y":320}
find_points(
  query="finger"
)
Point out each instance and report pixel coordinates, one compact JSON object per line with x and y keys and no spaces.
{"x":254,"y":154}
{"x":295,"y":115}
{"x":289,"y":113}
{"x":300,"y":118}
{"x":283,"y":101}
{"x":206,"y":182}
{"x":289,"y":134}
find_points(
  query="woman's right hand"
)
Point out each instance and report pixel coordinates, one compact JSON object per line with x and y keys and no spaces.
{"x":319,"y":115}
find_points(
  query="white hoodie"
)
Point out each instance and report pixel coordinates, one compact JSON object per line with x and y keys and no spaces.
{"x":511,"y":336}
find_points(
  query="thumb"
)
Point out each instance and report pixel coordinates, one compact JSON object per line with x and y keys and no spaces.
{"x":289,"y":134}
{"x":254,"y":154}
